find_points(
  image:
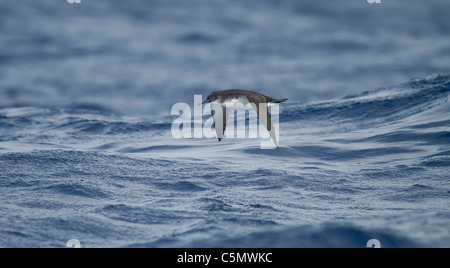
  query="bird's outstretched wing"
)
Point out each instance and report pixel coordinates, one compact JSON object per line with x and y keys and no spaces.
{"x":220,"y":117}
{"x":261,"y":106}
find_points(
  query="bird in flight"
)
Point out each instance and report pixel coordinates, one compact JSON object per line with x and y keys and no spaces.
{"x":222,"y":100}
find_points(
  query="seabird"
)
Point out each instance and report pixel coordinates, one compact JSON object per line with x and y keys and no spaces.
{"x":221,"y":100}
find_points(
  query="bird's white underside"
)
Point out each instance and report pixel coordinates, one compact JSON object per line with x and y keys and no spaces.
{"x":239,"y":103}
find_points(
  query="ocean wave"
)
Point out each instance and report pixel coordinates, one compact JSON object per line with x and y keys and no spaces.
{"x":384,"y":105}
{"x":311,"y":236}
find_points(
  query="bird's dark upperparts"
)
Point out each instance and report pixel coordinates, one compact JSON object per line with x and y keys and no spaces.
{"x":221,"y":100}
{"x":224,"y":95}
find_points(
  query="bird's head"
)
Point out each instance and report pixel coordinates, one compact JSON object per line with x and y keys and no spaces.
{"x":211,"y":97}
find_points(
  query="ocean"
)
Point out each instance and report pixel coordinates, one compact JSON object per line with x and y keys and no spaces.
{"x":87,"y":150}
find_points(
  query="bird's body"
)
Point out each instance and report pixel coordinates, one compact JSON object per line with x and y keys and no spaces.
{"x":222,"y":101}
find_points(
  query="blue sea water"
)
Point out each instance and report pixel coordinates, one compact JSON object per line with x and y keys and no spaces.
{"x":86,"y":150}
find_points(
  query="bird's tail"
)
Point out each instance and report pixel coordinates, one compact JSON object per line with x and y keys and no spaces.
{"x":278,"y":101}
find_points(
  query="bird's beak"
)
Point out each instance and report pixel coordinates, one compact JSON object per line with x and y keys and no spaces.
{"x":206,"y":101}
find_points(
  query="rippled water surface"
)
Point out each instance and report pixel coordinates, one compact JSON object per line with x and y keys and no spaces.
{"x":87,"y":153}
